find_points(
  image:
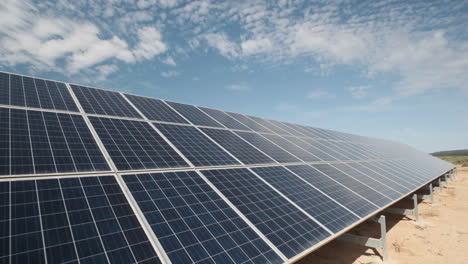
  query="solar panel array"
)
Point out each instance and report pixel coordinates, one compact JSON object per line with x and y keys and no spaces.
{"x":96,"y":176}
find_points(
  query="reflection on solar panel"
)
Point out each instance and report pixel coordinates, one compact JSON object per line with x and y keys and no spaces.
{"x":193,"y":223}
{"x":71,"y":219}
{"x":266,"y":146}
{"x":155,"y":109}
{"x":135,"y":145}
{"x":198,"y":148}
{"x":96,"y":176}
{"x":236,"y":146}
{"x":290,"y":230}
{"x":38,"y":93}
{"x":224,"y":119}
{"x":194,"y":115}
{"x":96,"y":101}
{"x":333,"y":215}
{"x":43,"y":142}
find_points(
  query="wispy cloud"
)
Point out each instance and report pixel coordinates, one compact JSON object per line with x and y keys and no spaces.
{"x":170,"y":74}
{"x":239,"y":87}
{"x":317,"y":94}
{"x":359,"y":92}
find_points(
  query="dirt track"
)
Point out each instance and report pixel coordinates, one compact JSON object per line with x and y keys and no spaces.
{"x":440,"y":237}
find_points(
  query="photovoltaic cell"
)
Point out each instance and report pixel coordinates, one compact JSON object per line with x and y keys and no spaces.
{"x":333,"y":189}
{"x":328,"y":212}
{"x":195,"y":146}
{"x":237,"y":147}
{"x":193,"y":223}
{"x":68,"y":220}
{"x":102,"y":102}
{"x":249,"y":123}
{"x":135,"y":145}
{"x":270,"y":126}
{"x":292,"y":148}
{"x":358,"y":187}
{"x":32,"y":92}
{"x":34,"y":142}
{"x":311,"y":146}
{"x":334,"y":149}
{"x":290,"y":230}
{"x":224,"y":119}
{"x":155,"y":109}
{"x":194,"y":115}
{"x":272,"y":150}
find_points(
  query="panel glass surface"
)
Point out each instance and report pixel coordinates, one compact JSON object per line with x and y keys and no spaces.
{"x":328,"y":212}
{"x":269,"y":125}
{"x":135,"y":145}
{"x":311,"y":146}
{"x":68,"y":220}
{"x":102,"y":102}
{"x":249,"y":122}
{"x":350,"y":200}
{"x":195,"y":146}
{"x":237,"y":147}
{"x":155,"y":109}
{"x":194,"y":115}
{"x":290,"y":230}
{"x":292,"y":148}
{"x":35,"y":142}
{"x":32,"y":92}
{"x":383,"y":178}
{"x":272,"y":150}
{"x":224,"y":119}
{"x":192,"y":222}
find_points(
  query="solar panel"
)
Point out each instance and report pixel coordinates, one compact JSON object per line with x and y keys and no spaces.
{"x":328,"y":212}
{"x":67,"y":220}
{"x":270,"y":126}
{"x":135,"y":145}
{"x":334,"y":149}
{"x":272,"y":150}
{"x":102,"y":102}
{"x":224,"y":119}
{"x":340,"y":193}
{"x":290,"y":230}
{"x":194,"y":115}
{"x":249,"y":122}
{"x":292,"y":148}
{"x":193,"y":223}
{"x":34,"y":142}
{"x":155,"y":109}
{"x":311,"y":146}
{"x":32,"y":92}
{"x":237,"y":147}
{"x":288,"y":127}
{"x":195,"y":146}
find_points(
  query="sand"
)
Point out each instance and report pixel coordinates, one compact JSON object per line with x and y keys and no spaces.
{"x":440,"y":237}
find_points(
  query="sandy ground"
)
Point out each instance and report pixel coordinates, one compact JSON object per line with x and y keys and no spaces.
{"x":440,"y":237}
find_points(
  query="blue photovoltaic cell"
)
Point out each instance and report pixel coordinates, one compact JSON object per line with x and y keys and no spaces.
{"x":68,"y":220}
{"x":195,"y":146}
{"x":249,"y":123}
{"x":333,"y":189}
{"x":102,"y":102}
{"x":32,"y":92}
{"x":34,"y":142}
{"x":328,"y":212}
{"x":269,"y":125}
{"x":194,"y":115}
{"x":290,"y":230}
{"x":292,"y":148}
{"x":224,"y":119}
{"x":135,"y":145}
{"x":155,"y":109}
{"x":358,"y":187}
{"x":288,"y":127}
{"x":311,"y":146}
{"x":272,"y":150}
{"x":334,"y":149}
{"x":237,"y":147}
{"x":192,"y":222}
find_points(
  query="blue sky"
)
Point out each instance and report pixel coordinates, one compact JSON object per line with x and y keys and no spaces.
{"x":388,"y":69}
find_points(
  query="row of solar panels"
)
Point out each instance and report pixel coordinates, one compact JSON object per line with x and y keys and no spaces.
{"x":253,"y":199}
{"x":279,"y":212}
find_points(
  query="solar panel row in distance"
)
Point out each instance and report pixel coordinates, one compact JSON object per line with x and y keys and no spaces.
{"x":249,"y":122}
{"x":35,"y":142}
{"x":102,"y":102}
{"x":193,"y":223}
{"x":32,"y":92}
{"x":224,"y":119}
{"x":86,"y":219}
{"x":194,"y":115}
{"x":155,"y":109}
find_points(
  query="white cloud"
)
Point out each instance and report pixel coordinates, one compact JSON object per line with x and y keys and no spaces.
{"x":169,"y":61}
{"x":150,"y":43}
{"x":359,"y":92}
{"x":238,"y":87}
{"x":170,"y":74}
{"x":254,"y":46}
{"x":317,"y":94}
{"x":221,"y":42}
{"x":105,"y":70}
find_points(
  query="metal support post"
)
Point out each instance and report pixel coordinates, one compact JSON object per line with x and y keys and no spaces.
{"x":406,"y":212}
{"x":377,"y":243}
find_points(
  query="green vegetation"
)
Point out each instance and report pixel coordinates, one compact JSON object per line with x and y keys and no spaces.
{"x":457,"y":160}
{"x":460,"y":152}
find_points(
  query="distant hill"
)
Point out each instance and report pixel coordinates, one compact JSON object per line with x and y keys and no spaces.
{"x":460,"y":152}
